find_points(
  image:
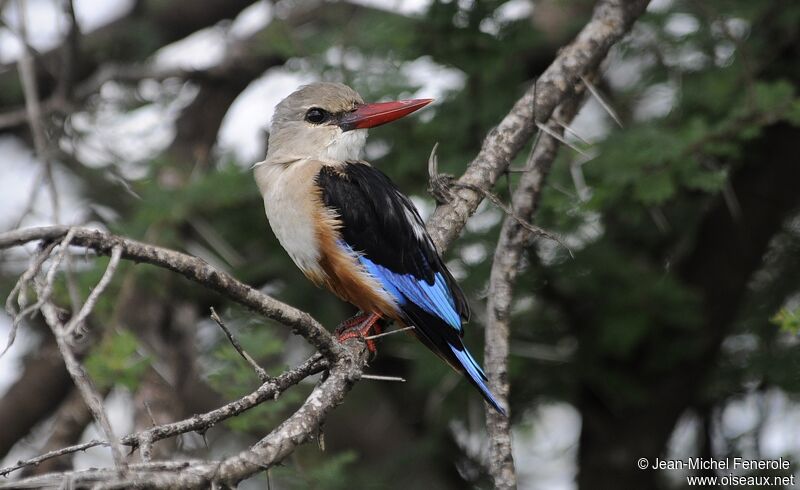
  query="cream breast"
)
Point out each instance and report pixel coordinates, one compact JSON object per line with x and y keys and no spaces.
{"x":291,"y":214}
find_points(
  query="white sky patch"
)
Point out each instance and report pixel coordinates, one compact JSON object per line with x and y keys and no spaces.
{"x":740,"y":416}
{"x":736,"y":27}
{"x":508,"y":12}
{"x":657,"y":101}
{"x":474,"y":253}
{"x":686,"y":57}
{"x":514,"y":10}
{"x":201,"y":50}
{"x":242,"y":130}
{"x":485,"y":217}
{"x":681,"y":25}
{"x":11,"y":362}
{"x":128,"y":137}
{"x":119,"y":407}
{"x":351,"y":59}
{"x":252,"y":19}
{"x":424,"y":207}
{"x":659,"y":5}
{"x":780,"y":434}
{"x":682,"y":443}
{"x":592,"y":123}
{"x":434,"y":79}
{"x":46,"y":25}
{"x":406,"y":7}
{"x":20,"y":170}
{"x":546,"y":454}
{"x":723,"y":53}
{"x":92,"y":14}
{"x":624,"y":71}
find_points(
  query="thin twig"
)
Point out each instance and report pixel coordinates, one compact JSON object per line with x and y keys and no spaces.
{"x":52,"y":454}
{"x":33,"y":269}
{"x":75,"y":324}
{"x":390,"y":332}
{"x":260,"y":372}
{"x":200,"y":422}
{"x":22,"y":285}
{"x":27,"y":74}
{"x":83,"y":382}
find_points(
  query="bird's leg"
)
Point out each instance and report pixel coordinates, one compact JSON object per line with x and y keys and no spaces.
{"x":360,"y":326}
{"x":351,"y":322}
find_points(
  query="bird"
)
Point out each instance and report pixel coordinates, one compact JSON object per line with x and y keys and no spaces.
{"x":350,"y":229}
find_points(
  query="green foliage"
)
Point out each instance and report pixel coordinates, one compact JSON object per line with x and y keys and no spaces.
{"x":788,"y":320}
{"x":117,"y":361}
{"x":330,"y":473}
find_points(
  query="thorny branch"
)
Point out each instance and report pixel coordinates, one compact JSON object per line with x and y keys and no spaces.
{"x":270,"y":390}
{"x":610,"y":21}
{"x":344,"y":362}
{"x":506,"y":265}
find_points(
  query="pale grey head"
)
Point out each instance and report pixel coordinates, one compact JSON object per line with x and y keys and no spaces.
{"x":311,"y":123}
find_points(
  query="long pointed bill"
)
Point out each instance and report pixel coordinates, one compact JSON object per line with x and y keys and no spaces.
{"x":371,"y":115}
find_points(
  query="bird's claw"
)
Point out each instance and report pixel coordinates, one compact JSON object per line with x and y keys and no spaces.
{"x":360,"y":326}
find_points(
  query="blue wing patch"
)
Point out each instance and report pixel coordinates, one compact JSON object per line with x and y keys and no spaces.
{"x":475,"y":373}
{"x":435,"y":298}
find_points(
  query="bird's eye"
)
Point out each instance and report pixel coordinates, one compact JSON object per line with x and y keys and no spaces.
{"x":316,"y":115}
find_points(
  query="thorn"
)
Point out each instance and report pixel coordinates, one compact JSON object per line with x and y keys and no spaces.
{"x":529,"y":161}
{"x":150,"y":413}
{"x":321,"y":438}
{"x":433,"y":163}
{"x":377,"y":377}
{"x":611,"y":112}
{"x":572,"y":131}
{"x":560,"y":138}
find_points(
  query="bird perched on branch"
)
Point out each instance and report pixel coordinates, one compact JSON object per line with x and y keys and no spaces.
{"x":351,"y":230}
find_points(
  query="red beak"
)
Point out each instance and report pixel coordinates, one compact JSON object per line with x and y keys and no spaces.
{"x":371,"y":115}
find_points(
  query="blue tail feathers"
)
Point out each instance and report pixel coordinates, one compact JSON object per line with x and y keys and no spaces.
{"x":476,"y":375}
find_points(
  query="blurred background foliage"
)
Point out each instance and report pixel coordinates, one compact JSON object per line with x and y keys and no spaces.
{"x":672,"y":331}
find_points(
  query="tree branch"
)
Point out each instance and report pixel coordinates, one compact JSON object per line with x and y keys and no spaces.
{"x":610,"y":21}
{"x":197,"y":423}
{"x":192,"y":268}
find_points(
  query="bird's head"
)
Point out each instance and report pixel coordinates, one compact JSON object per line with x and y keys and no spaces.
{"x":329,"y":121}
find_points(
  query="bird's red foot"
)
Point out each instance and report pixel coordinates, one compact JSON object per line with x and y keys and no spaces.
{"x":360,"y":325}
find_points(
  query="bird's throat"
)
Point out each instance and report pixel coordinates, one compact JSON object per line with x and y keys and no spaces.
{"x":346,"y":146}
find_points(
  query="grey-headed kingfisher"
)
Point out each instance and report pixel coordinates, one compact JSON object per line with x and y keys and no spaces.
{"x":348,"y":227}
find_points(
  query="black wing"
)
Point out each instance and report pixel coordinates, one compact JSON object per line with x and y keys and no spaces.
{"x":383,"y":225}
